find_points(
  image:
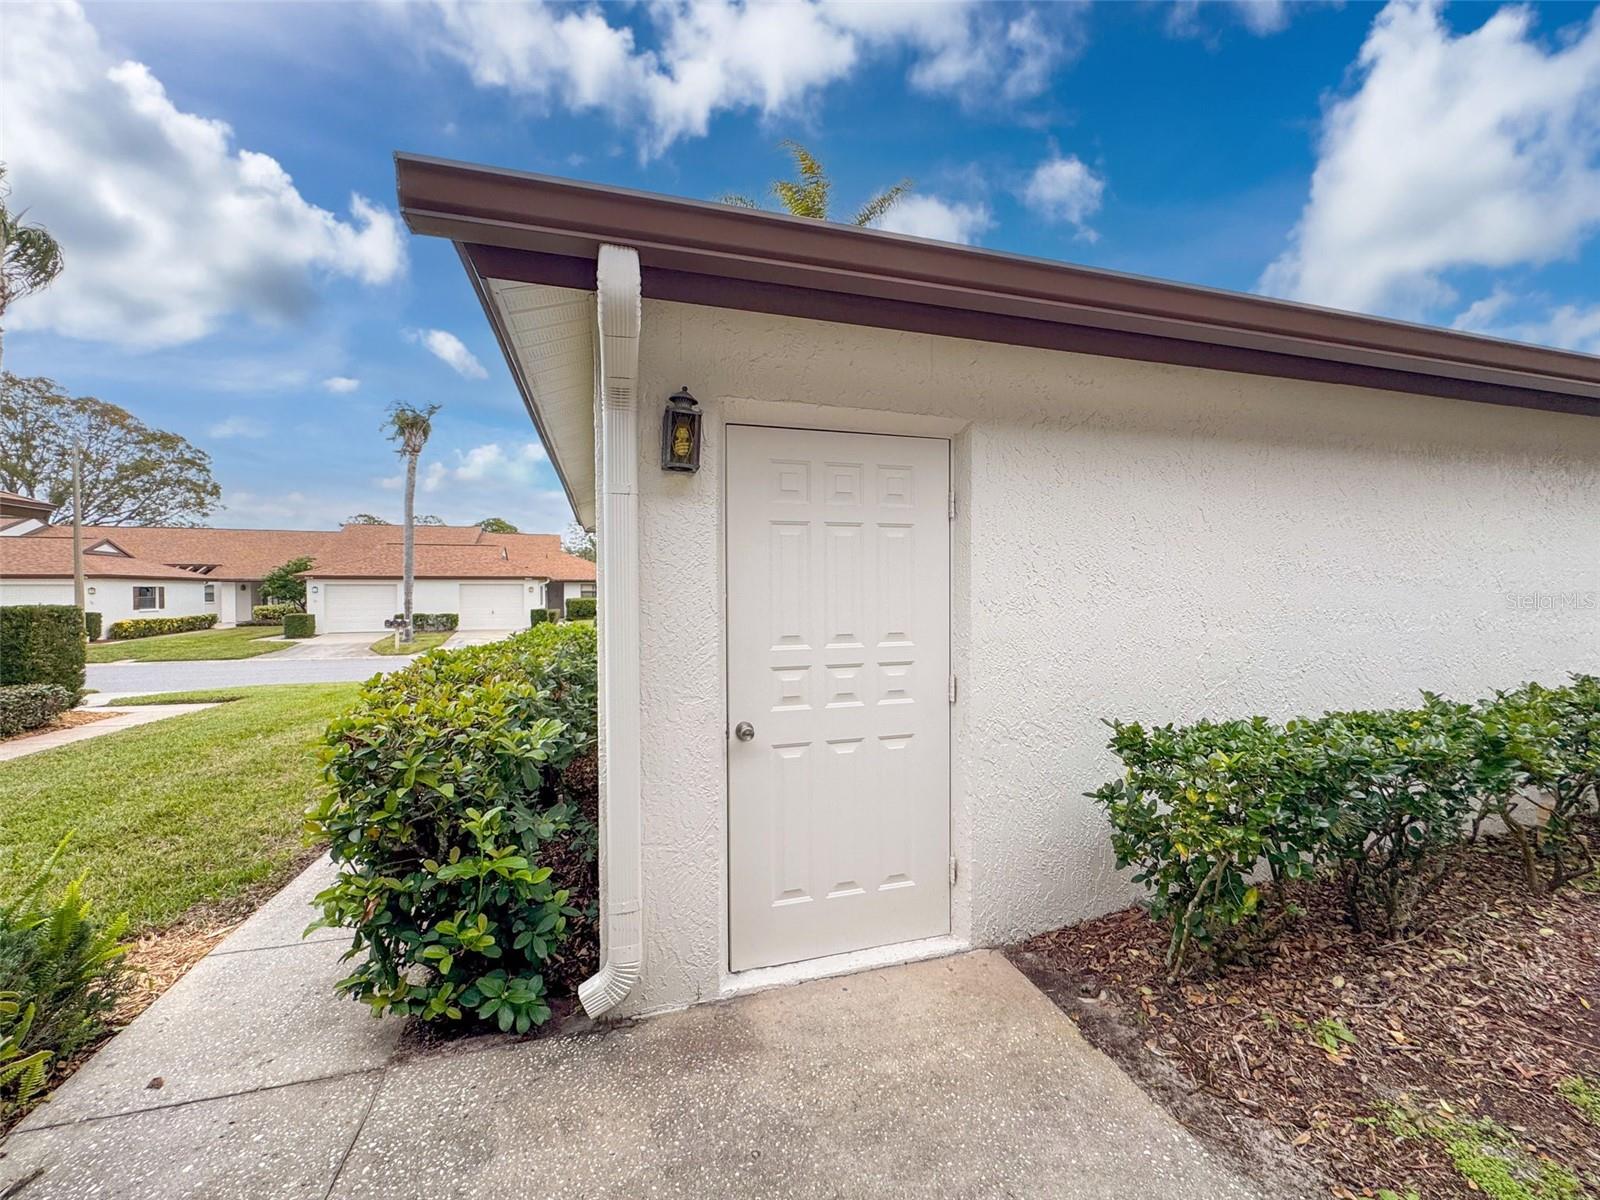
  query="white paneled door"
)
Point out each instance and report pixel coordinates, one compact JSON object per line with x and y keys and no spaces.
{"x":838,"y":567}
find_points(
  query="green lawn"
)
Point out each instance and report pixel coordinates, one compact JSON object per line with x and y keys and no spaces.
{"x":199,"y":808}
{"x":419,"y":643}
{"x":244,"y":641}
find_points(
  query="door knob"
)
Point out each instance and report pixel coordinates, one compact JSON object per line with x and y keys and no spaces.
{"x":744,"y":731}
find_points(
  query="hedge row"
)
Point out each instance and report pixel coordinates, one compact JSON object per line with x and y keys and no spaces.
{"x":273,"y":614}
{"x":430,"y":622}
{"x":93,"y":624}
{"x":462,"y":811}
{"x":143,"y":627}
{"x":299,"y":625}
{"x":1218,"y":818}
{"x":25,"y":706}
{"x":580,"y":608}
{"x":43,"y":643}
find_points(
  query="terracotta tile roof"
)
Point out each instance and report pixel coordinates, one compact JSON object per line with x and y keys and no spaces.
{"x":34,"y":557}
{"x":489,"y":556}
{"x":355,"y":551}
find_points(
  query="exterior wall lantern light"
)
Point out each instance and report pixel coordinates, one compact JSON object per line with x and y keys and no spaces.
{"x":680,"y":433}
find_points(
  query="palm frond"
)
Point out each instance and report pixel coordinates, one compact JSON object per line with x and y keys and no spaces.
{"x":808,"y":198}
{"x":882,"y":202}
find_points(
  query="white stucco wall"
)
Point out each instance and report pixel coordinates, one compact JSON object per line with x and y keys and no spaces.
{"x":113,"y":598}
{"x":1132,"y":540}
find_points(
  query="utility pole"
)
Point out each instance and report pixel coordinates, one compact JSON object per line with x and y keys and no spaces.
{"x":77,"y":522}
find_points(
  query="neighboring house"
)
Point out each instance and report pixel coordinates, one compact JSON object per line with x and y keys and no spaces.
{"x":354,"y":586}
{"x":38,"y":570}
{"x":953,"y":508}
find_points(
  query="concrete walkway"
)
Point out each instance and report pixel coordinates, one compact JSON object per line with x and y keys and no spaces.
{"x":954,"y":1078}
{"x":126,"y":718}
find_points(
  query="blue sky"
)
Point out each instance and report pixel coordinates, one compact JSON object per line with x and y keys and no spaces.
{"x":220,"y":177}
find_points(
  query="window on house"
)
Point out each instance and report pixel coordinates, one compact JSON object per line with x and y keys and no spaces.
{"x":211,"y":593}
{"x":586,"y":591}
{"x":146,"y":598}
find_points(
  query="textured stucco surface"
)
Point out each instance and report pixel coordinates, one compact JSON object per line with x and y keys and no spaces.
{"x":1133,"y":540}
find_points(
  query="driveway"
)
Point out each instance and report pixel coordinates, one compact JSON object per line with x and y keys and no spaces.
{"x":951,"y":1078}
{"x":330,"y":646}
{"x":130,"y":679}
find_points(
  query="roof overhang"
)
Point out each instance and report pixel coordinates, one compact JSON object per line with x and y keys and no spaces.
{"x":13,"y":505}
{"x":514,"y":228}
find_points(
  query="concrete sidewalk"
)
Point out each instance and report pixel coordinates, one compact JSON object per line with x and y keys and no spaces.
{"x":126,"y":718}
{"x":954,"y":1078}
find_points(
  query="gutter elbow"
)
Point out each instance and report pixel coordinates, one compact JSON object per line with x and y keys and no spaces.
{"x":608,"y":986}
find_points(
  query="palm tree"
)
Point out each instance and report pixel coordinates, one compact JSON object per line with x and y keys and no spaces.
{"x":808,"y":195}
{"x":29,"y":256}
{"x":408,"y":427}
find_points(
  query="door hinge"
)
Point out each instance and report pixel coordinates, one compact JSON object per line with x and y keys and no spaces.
{"x":954,"y":871}
{"x":952,"y":506}
{"x":951,"y":691}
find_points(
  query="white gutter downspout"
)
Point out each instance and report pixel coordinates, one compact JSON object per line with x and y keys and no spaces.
{"x":621,"y":943}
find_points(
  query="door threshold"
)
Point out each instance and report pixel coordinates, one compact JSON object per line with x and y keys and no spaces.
{"x":740,"y":983}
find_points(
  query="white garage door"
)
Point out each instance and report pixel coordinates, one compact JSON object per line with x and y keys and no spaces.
{"x":493,"y":606}
{"x":359,"y":607}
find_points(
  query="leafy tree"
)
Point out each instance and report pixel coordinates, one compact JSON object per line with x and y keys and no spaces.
{"x":497,"y":525}
{"x":132,"y":474}
{"x":409,"y":428}
{"x":428,"y":519}
{"x":808,"y":196}
{"x":280,"y":582}
{"x":365,"y":519}
{"x":29,"y":256}
{"x":578,"y":542}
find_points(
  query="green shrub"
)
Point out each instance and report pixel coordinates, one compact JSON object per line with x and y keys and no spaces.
{"x":93,"y":623}
{"x":274,"y":613}
{"x":461,"y":807}
{"x":61,"y":971}
{"x":1540,"y":753}
{"x":1407,"y":782}
{"x":143,"y":627}
{"x":430,"y":622}
{"x":539,"y":616}
{"x":299,"y":625}
{"x":1216,"y":817}
{"x":43,"y":643}
{"x":1201,"y":809}
{"x":580,"y":608}
{"x":26,"y":706}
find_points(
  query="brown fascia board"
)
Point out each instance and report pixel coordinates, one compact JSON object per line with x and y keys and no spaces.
{"x":532,"y":228}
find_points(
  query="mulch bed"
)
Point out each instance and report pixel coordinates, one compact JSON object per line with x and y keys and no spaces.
{"x":70,"y":719}
{"x":1479,"y":1015}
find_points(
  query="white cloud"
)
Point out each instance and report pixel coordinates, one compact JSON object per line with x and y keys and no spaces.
{"x":238,"y":427}
{"x":1477,"y":150}
{"x":167,"y":227}
{"x":491,"y":463}
{"x":1504,"y":314}
{"x":711,"y":56}
{"x":931,"y":217}
{"x":450,"y":350}
{"x":1065,"y":189}
{"x":1260,"y":17}
{"x":340,"y":385}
